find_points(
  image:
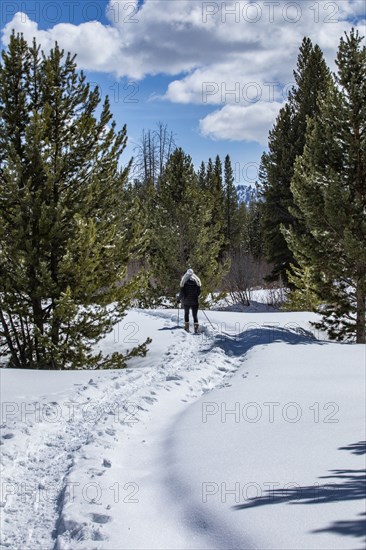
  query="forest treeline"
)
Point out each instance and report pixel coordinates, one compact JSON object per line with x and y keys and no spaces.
{"x":81,"y":239}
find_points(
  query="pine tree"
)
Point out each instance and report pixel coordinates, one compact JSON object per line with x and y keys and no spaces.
{"x":185,"y":234}
{"x":286,"y":142}
{"x":303,"y":296}
{"x":67,"y":228}
{"x":201,"y":175}
{"x":209,"y":174}
{"x":218,"y":191}
{"x":275,"y":175}
{"x":231,"y":206}
{"x":217,"y":171}
{"x":329,"y":188}
{"x":215,"y":189}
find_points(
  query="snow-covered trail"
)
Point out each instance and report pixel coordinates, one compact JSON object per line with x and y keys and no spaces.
{"x":140,"y":460}
{"x":64,"y":462}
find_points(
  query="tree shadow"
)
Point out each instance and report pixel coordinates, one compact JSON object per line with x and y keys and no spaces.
{"x":241,"y":343}
{"x":341,"y":485}
{"x":176,"y":327}
{"x":351,"y":528}
{"x":356,"y":448}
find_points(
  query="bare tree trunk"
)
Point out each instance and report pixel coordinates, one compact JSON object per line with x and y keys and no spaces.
{"x":153,"y":152}
{"x":9,"y":341}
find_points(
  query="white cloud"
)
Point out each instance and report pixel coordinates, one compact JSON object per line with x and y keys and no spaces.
{"x":210,"y":48}
{"x":240,"y":123}
{"x":95,"y":44}
{"x":186,"y":35}
{"x":244,"y":79}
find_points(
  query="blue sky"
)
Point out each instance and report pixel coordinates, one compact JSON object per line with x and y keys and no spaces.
{"x":215,"y":72}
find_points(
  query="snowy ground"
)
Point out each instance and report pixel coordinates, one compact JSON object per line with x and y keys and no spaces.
{"x":248,"y":437}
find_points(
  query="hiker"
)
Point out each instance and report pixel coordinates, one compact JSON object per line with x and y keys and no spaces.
{"x":190,"y":289}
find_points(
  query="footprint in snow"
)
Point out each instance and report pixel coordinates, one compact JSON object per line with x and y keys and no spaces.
{"x":8,"y":436}
{"x":150,"y":400}
{"x":95,"y":472}
{"x":95,"y":535}
{"x":100,"y":518}
{"x":107,"y":463}
{"x":138,"y":407}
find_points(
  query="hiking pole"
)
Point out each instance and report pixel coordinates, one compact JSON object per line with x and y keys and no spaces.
{"x":203,"y":311}
{"x":178,"y":312}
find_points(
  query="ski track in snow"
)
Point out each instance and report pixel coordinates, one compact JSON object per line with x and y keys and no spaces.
{"x":72,"y":451}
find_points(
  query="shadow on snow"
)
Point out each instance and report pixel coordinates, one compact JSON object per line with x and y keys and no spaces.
{"x":239,"y":344}
{"x":341,"y":485}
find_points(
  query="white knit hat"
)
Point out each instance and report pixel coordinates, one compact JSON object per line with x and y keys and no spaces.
{"x":190,"y":275}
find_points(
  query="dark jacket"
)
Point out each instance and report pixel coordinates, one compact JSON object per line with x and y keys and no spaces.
{"x":189,"y":293}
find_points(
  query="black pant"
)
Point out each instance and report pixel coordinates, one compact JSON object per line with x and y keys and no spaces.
{"x":194,"y":313}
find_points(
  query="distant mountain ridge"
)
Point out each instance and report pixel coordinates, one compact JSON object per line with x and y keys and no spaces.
{"x":247,"y":193}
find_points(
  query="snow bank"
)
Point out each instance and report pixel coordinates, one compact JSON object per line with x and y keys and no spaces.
{"x":278,"y":454}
